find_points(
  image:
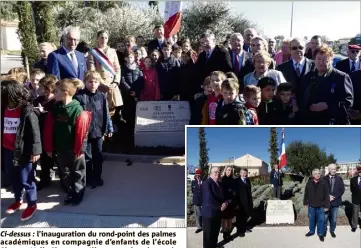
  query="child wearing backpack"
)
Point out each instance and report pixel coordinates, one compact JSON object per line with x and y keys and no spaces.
{"x":95,"y":102}
{"x":21,"y":144}
{"x":66,"y":131}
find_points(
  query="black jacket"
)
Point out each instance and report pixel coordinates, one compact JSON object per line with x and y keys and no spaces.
{"x":167,"y":71}
{"x":244,"y":196}
{"x":276,"y":181}
{"x":335,"y":88}
{"x":344,"y":66}
{"x":290,"y":74}
{"x":355,"y":190}
{"x":285,"y":115}
{"x":356,"y":83}
{"x":28,"y":138}
{"x":267,"y":113}
{"x":338,"y":189}
{"x":97,"y":104}
{"x":230,"y":114}
{"x":220,"y":60}
{"x":197,"y":192}
{"x":42,"y":65}
{"x":131,"y":80}
{"x":317,"y":195}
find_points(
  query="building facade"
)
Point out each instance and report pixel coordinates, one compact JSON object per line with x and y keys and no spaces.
{"x":9,"y":39}
{"x":347,"y":168}
{"x":254,"y":165}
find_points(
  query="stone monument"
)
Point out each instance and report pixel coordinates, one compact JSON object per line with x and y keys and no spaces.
{"x":280,"y":212}
{"x":161,"y":123}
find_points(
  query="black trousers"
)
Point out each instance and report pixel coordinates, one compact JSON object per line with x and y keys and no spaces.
{"x":72,"y":173}
{"x":47,"y":164}
{"x":94,"y":159}
{"x":241,"y":220}
{"x":211,"y":227}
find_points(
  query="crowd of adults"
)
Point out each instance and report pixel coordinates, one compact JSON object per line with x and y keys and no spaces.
{"x":223,"y":196}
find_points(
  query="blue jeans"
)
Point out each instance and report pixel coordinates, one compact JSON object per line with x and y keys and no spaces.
{"x":22,"y":177}
{"x":316,"y":216}
{"x":330,"y":216}
{"x":94,"y":159}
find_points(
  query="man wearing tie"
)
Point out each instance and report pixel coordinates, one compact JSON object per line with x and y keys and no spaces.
{"x":159,"y":40}
{"x":276,"y":181}
{"x":352,"y":63}
{"x":355,"y":185}
{"x":66,"y":62}
{"x":197,"y":198}
{"x":238,"y":56}
{"x":244,"y":202}
{"x":336,"y":188}
{"x":298,"y":66}
{"x":212,"y":206}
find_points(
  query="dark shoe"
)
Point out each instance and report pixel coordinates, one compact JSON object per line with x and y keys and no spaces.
{"x":129,"y":162}
{"x":309,"y":234}
{"x":353,"y":229}
{"x":249,"y":230}
{"x":42,"y":185}
{"x":241,"y":234}
{"x":325,"y":234}
{"x":333,"y":235}
{"x":198,"y":230}
{"x":99,"y":183}
{"x":322,"y":239}
{"x":68,"y":200}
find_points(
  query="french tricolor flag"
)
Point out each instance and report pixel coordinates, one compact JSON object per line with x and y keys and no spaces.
{"x":282,"y":158}
{"x":172,"y":18}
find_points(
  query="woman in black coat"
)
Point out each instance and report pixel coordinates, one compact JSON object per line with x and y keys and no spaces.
{"x":326,"y":93}
{"x":229,"y":193}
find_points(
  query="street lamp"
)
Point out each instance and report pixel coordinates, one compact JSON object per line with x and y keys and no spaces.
{"x":291,"y":19}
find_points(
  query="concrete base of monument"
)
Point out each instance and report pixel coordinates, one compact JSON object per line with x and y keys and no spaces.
{"x":159,"y":139}
{"x":144,"y":194}
{"x":280,"y":212}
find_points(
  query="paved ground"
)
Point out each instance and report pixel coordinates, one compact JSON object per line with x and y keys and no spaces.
{"x":8,"y":62}
{"x":144,"y":194}
{"x":283,"y":237}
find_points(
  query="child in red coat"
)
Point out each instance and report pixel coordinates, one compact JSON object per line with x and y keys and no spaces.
{"x":150,"y":90}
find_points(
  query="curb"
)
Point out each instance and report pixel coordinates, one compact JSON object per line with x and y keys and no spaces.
{"x":144,"y":158}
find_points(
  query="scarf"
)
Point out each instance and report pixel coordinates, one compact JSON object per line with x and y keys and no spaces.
{"x":132,"y":66}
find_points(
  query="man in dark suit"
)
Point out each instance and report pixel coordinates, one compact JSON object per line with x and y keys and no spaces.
{"x":213,"y":58}
{"x":336,"y":188}
{"x":355,"y":185}
{"x":212,"y":206}
{"x":354,"y":112}
{"x":66,"y":62}
{"x":276,"y":181}
{"x":238,"y":56}
{"x":245,"y":202}
{"x":352,"y":63}
{"x":249,"y":33}
{"x":294,"y":69}
{"x":197,"y":198}
{"x":157,"y":43}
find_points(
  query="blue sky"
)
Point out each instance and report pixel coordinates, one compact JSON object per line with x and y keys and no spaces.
{"x":224,"y":143}
{"x":336,"y":19}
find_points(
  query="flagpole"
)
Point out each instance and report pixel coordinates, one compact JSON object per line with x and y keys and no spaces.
{"x":279,"y":162}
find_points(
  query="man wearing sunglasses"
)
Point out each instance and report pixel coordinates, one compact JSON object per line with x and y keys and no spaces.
{"x":352,"y":63}
{"x":294,"y":69}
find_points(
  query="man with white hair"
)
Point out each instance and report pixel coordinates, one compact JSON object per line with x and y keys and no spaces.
{"x":66,"y":62}
{"x":238,"y":55}
{"x":249,"y":33}
{"x":317,"y":199}
{"x":336,"y":188}
{"x":212,"y":206}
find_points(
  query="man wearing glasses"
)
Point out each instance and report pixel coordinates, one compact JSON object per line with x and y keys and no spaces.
{"x":352,"y":63}
{"x":66,"y":62}
{"x":294,"y":69}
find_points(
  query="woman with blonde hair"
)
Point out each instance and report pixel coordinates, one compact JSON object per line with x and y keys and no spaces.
{"x":262,"y":61}
{"x":104,"y":60}
{"x":228,"y":184}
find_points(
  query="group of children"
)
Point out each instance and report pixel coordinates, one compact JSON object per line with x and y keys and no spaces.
{"x":51,"y":121}
{"x":221,"y":103}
